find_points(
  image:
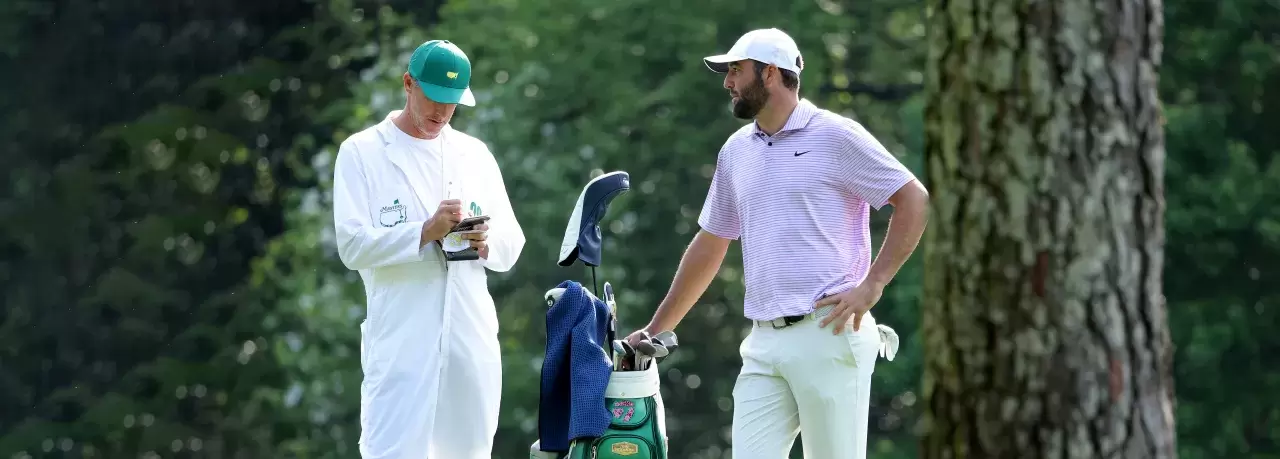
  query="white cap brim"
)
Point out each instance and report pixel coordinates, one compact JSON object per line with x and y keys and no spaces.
{"x":468,"y":98}
{"x":720,"y":63}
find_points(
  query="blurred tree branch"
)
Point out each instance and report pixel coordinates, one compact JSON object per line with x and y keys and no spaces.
{"x":881,"y":93}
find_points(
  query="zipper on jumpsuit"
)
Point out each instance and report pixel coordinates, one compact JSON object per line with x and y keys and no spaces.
{"x":443,"y":343}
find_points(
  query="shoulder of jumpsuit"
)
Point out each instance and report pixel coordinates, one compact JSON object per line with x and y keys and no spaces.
{"x":369,"y":139}
{"x":472,"y":146}
{"x":381,"y":134}
{"x":362,"y":142}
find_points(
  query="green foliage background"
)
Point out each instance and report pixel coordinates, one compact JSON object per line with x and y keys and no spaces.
{"x":171,"y":288}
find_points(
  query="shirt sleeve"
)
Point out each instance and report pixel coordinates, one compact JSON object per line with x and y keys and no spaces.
{"x":720,"y":211}
{"x":505,"y":237}
{"x":871,"y":173}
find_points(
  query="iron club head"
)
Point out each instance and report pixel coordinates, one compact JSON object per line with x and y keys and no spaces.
{"x":660,"y":351}
{"x":645,"y":347}
{"x":667,"y":338}
{"x":628,"y":357}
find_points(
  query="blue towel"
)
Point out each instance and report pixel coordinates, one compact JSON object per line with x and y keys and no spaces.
{"x":575,"y":371}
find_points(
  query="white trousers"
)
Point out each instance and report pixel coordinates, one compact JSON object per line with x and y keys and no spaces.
{"x":805,"y":378}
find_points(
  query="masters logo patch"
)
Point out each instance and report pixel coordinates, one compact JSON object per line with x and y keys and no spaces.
{"x":392,"y":215}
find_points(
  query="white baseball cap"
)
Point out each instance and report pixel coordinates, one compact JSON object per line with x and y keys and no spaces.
{"x":771,"y":46}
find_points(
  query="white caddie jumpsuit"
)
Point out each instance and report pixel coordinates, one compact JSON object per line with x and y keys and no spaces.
{"x":429,"y":346}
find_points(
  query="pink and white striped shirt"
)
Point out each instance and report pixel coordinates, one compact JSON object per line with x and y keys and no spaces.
{"x":800,"y":203}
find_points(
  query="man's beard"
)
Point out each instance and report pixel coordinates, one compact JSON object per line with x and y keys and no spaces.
{"x":750,"y":101}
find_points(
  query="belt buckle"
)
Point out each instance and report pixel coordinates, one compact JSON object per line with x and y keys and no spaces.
{"x":786,"y":321}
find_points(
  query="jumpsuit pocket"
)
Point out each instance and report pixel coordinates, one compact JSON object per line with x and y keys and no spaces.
{"x":364,"y":350}
{"x":374,"y":310}
{"x":370,"y":329}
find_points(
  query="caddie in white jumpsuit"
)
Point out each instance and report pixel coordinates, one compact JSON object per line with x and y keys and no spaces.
{"x":429,"y":345}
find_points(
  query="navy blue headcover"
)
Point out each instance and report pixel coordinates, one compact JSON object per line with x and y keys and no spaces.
{"x":582,"y":236}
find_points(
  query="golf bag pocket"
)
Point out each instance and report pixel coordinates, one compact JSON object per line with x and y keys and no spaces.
{"x":638,"y":427}
{"x":624,"y":446}
{"x":629,"y":413}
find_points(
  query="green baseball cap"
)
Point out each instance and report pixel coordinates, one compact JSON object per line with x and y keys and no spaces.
{"x":443,"y":71}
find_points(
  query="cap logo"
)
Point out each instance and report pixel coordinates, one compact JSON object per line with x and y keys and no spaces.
{"x":451,"y":75}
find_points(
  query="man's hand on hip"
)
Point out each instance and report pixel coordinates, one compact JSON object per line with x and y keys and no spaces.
{"x":854,"y":302}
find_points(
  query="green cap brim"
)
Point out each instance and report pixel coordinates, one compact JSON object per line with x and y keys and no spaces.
{"x":443,"y":95}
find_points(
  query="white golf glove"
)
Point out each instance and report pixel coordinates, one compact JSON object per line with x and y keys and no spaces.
{"x":888,"y":342}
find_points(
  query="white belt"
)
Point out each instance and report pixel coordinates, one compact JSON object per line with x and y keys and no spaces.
{"x":784,"y":322}
{"x":888,"y":337}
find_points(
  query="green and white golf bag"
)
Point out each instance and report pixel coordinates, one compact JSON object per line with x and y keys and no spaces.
{"x":638,"y":429}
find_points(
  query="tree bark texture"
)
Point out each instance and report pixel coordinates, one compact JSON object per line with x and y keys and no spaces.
{"x":1044,"y":318}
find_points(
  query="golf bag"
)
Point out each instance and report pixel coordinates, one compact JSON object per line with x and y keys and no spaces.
{"x":637,"y":427}
{"x":636,"y":418}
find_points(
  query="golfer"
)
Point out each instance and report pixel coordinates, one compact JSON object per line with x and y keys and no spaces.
{"x":429,"y":344}
{"x":796,"y":187}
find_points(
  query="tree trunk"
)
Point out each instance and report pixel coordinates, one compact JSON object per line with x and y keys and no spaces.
{"x":1044,"y":319}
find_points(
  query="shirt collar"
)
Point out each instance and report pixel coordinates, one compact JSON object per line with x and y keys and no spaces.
{"x":799,"y":119}
{"x":391,"y":133}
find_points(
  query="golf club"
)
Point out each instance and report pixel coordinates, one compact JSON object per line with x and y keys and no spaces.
{"x":613,"y":311}
{"x":628,"y":357}
{"x":667,"y":338}
{"x":645,"y":347}
{"x":659,"y":351}
{"x":619,"y":353}
{"x":649,"y":359}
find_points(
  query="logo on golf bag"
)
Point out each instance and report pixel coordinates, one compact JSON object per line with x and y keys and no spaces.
{"x":624,"y":448}
{"x":392,"y":215}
